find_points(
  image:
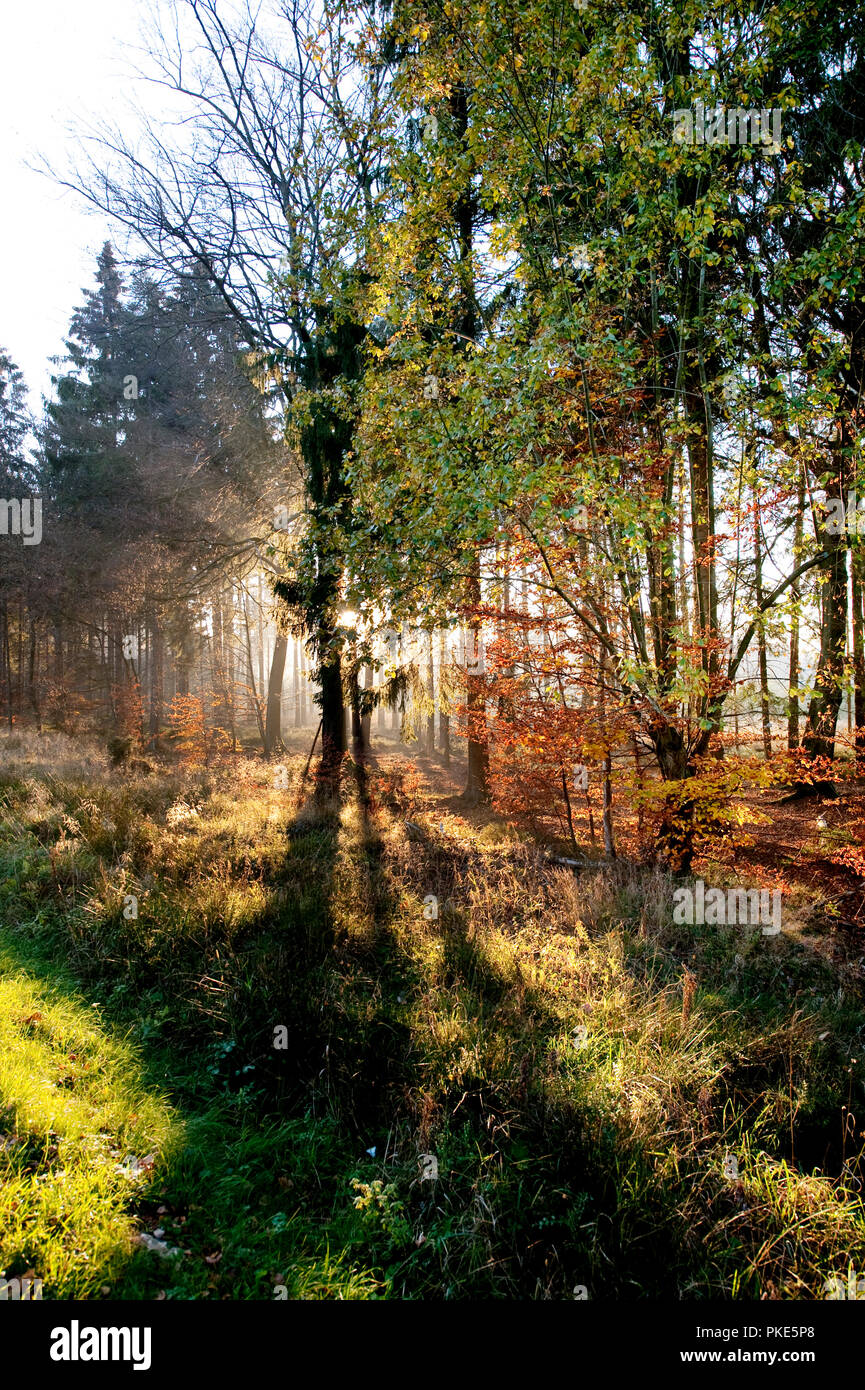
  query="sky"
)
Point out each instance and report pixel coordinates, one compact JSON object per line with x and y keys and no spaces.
{"x":61,"y":62}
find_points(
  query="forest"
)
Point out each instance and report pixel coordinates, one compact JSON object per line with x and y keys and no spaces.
{"x":432,"y":667}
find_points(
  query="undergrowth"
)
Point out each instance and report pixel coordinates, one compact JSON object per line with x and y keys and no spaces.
{"x":610,"y":1102}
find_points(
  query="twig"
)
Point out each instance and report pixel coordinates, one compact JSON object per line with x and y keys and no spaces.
{"x":312,"y":750}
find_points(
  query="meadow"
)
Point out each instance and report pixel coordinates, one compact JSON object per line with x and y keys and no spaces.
{"x":360,"y":1046}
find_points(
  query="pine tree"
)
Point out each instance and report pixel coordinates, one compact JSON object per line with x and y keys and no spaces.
{"x":15,"y":424}
{"x":85,"y":424}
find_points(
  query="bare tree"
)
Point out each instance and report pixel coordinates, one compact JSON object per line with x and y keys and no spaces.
{"x":256,"y":186}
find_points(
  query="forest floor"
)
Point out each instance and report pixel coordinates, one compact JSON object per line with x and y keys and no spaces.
{"x":383,"y":1047}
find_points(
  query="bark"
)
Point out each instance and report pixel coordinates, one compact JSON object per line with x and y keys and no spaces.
{"x":223,"y":669}
{"x":683,"y":568}
{"x":703,"y":520}
{"x":354,"y":707}
{"x":32,"y":692}
{"x":366,"y":719}
{"x":261,"y":634}
{"x":156,"y":676}
{"x":57,"y":636}
{"x":273,"y":718}
{"x":444,"y":718}
{"x":7,"y":663}
{"x":638,"y":773}
{"x":675,"y":837}
{"x":857,"y":566}
{"x":477,"y":789}
{"x":256,"y":703}
{"x":299,"y":685}
{"x":381,"y":714}
{"x":609,"y":841}
{"x":796,"y":594}
{"x":761,"y":634}
{"x":395,"y":719}
{"x":819,"y":737}
{"x":330,"y":701}
{"x":430,"y":691}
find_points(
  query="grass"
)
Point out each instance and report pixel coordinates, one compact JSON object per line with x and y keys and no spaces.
{"x":581,"y":1069}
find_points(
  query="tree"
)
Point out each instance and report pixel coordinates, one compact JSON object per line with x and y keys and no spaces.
{"x":268,"y":205}
{"x":609,"y":349}
{"x":156,"y":452}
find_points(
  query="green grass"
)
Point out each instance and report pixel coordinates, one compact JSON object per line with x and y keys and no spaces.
{"x":538,"y":1039}
{"x":73,"y":1111}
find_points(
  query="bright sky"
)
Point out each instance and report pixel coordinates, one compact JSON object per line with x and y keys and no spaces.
{"x":61,"y":61}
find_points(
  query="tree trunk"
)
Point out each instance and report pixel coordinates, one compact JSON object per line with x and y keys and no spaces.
{"x":330,"y":701}
{"x":477,"y":789}
{"x":857,"y":566}
{"x":256,"y":703}
{"x":261,"y":634}
{"x":156,"y":677}
{"x":477,"y":784}
{"x":32,"y":692}
{"x":354,"y":707}
{"x":431,"y":693}
{"x":444,"y":717}
{"x":700,"y":456}
{"x":7,"y":662}
{"x":57,"y":635}
{"x":796,"y":595}
{"x":761,"y":633}
{"x":366,"y":719}
{"x":609,"y":842}
{"x":396,"y":718}
{"x":273,"y":718}
{"x":819,"y":737}
{"x":303,"y":692}
{"x":675,"y":837}
{"x":381,"y":716}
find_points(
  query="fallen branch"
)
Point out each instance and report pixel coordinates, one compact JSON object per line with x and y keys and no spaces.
{"x":312,"y":750}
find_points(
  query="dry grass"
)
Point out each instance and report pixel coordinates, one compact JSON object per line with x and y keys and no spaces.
{"x":582,"y":1068}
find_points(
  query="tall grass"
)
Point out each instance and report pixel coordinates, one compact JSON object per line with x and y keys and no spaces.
{"x":582,"y":1070}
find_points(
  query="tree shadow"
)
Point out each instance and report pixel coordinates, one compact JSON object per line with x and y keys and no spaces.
{"x":339,"y":1019}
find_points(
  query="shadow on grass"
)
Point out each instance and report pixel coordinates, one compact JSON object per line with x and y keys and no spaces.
{"x":314,"y":1050}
